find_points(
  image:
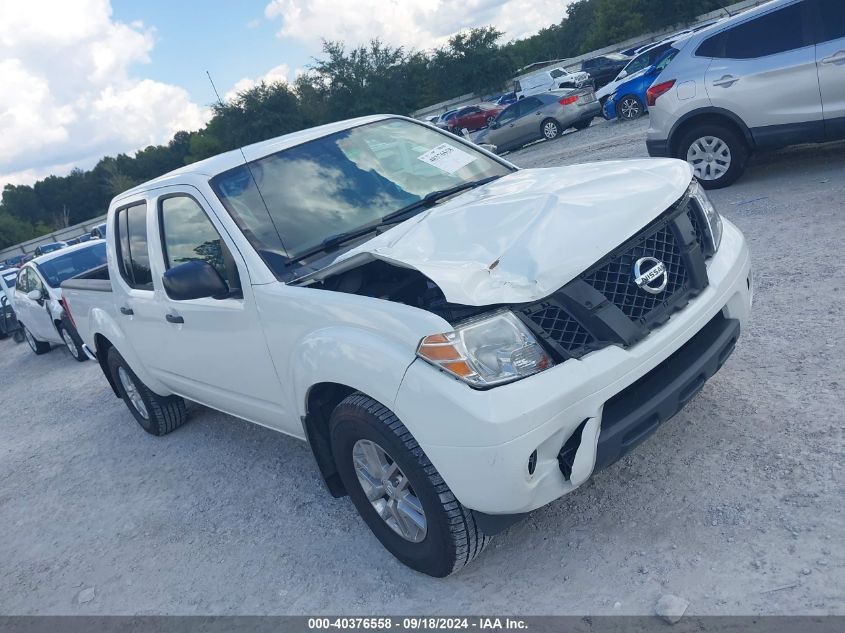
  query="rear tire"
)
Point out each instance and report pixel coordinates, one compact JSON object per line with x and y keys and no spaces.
{"x":157,"y":415}
{"x":72,"y":341}
{"x":550,"y":129}
{"x":629,"y":108}
{"x":39,"y":347}
{"x":716,"y":153}
{"x":433,"y":534}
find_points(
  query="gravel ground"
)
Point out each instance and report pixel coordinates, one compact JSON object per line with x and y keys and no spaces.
{"x":735,"y":505}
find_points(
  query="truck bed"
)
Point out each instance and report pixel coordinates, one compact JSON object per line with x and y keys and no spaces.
{"x":86,"y":294}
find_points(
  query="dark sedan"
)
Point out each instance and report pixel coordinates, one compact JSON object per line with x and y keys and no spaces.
{"x":604,"y":67}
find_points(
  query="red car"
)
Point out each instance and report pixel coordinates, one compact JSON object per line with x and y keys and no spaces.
{"x":474,"y":117}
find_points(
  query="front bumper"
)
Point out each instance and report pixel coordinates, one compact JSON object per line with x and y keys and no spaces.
{"x":481,"y":441}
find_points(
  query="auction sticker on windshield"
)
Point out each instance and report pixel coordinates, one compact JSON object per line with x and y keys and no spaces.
{"x":447,"y":158}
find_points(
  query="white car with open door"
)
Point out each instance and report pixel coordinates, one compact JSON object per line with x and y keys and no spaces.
{"x":38,"y":296}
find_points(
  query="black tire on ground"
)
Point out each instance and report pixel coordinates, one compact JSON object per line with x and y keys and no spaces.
{"x":39,"y":347}
{"x":629,"y":108}
{"x":736,"y":146}
{"x":583,"y":125}
{"x":452,"y":537}
{"x":550,"y":129}
{"x":74,"y":346}
{"x":163,"y":413}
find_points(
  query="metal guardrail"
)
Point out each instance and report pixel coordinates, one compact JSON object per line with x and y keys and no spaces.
{"x":59,"y":235}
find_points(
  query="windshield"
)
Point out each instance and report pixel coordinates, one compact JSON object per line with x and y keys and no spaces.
{"x":63,"y":267}
{"x":290,"y":202}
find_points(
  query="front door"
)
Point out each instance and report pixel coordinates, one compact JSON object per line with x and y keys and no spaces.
{"x":830,"y":61}
{"x":214,"y":350}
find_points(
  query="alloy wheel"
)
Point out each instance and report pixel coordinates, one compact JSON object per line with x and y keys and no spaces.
{"x":132,"y":392}
{"x":710,"y":157}
{"x":389,"y":491}
{"x":550,"y":130}
{"x":630,"y":108}
{"x":71,"y":345}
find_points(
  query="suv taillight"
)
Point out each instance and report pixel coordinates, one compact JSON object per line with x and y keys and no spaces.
{"x":568,"y":100}
{"x":656,"y":90}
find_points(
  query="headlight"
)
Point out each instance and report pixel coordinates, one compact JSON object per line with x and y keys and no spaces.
{"x":712,"y":219}
{"x":487,"y":351}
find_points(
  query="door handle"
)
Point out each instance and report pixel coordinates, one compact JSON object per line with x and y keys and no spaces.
{"x":126,"y":311}
{"x":174,"y":318}
{"x":537,"y":113}
{"x":837,"y":58}
{"x":726,"y":81}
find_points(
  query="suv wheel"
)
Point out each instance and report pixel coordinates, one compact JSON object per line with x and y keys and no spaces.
{"x":157,"y":415}
{"x":398,"y":492}
{"x":716,"y":153}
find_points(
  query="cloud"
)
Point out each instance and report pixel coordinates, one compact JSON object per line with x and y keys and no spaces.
{"x":280,"y":73}
{"x":69,"y":96}
{"x":418,"y":24}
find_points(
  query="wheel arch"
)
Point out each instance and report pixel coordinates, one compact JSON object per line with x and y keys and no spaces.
{"x":102,"y":345}
{"x":321,"y":399}
{"x":706,"y":116}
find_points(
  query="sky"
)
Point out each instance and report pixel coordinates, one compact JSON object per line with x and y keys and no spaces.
{"x":82,"y":79}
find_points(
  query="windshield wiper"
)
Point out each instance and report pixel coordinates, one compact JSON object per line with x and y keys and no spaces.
{"x":430,"y":198}
{"x":332,"y":242}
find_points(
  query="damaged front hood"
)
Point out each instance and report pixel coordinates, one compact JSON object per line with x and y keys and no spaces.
{"x":523,"y":236}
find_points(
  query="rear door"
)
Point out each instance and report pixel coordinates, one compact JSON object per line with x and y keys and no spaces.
{"x":830,"y":62}
{"x":138,"y":311}
{"x":764,"y":70}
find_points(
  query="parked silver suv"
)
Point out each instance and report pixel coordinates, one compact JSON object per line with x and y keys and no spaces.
{"x":766,"y":78}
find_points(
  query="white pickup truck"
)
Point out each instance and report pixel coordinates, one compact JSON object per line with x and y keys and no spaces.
{"x":459,"y":340}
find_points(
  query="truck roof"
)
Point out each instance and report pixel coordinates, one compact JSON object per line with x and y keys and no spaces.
{"x":227,"y":160}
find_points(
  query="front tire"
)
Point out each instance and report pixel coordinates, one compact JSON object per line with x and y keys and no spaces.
{"x":550,"y":129}
{"x":72,"y":341}
{"x":716,"y":153}
{"x":39,"y":347}
{"x":398,"y":492}
{"x":157,"y":415}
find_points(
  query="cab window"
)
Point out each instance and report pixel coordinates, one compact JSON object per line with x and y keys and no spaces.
{"x":188,"y":235}
{"x":133,"y":254}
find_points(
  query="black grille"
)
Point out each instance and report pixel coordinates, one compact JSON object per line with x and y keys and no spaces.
{"x":695,"y":220}
{"x":559,"y":326}
{"x":615,"y":279}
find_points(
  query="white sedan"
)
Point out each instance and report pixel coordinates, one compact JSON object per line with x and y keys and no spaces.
{"x":38,"y":298}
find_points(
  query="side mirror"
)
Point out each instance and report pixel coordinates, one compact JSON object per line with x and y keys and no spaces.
{"x":194,"y":280}
{"x":622,"y":74}
{"x":34,"y":295}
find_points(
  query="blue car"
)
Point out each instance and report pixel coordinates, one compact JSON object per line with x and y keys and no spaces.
{"x":506,"y":99}
{"x":628,"y":102}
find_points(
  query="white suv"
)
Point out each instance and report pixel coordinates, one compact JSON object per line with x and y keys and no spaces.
{"x":767,"y":78}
